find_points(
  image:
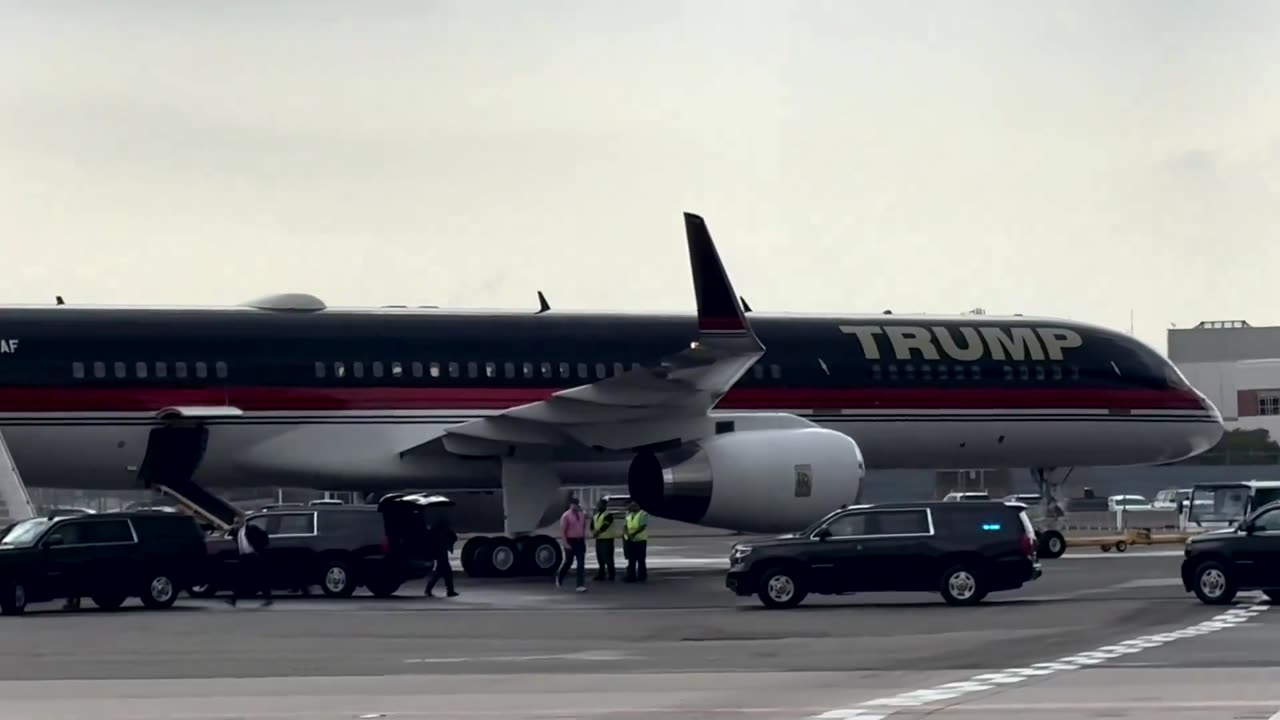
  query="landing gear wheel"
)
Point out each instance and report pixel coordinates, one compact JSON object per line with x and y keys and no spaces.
{"x":1122,"y":546}
{"x":540,"y":555}
{"x":14,"y":600}
{"x":961,"y":586}
{"x":501,"y":557}
{"x":336,"y":580}
{"x":159,"y":591}
{"x":1052,"y":544}
{"x":1213,"y":585}
{"x":108,"y":601}
{"x":781,"y":588}
{"x":469,"y":557}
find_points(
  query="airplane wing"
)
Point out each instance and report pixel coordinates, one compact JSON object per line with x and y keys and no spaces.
{"x":645,"y":405}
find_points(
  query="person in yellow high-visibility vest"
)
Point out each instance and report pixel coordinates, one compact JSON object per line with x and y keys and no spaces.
{"x":635,"y":536}
{"x":605,"y":531}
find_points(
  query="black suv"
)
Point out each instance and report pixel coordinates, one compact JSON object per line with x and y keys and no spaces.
{"x":338,"y":547}
{"x":107,"y":557}
{"x":1219,"y":563}
{"x":962,"y":550}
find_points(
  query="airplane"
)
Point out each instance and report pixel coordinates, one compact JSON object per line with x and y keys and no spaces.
{"x":756,"y":422}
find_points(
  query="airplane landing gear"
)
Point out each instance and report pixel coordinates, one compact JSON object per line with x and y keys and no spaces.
{"x":1050,"y":537}
{"x":529,"y":556}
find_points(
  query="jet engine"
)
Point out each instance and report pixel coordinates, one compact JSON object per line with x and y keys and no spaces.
{"x":759,"y":481}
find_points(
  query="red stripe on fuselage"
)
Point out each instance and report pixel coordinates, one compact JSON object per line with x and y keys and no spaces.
{"x":142,"y":399}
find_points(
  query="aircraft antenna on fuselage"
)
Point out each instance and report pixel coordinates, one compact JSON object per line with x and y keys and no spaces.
{"x":746,"y":306}
{"x":543,"y":305}
{"x":58,"y":300}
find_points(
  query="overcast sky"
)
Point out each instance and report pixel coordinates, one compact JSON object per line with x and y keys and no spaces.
{"x":1078,"y":159}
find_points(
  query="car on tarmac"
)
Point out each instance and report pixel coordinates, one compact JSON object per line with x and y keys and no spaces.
{"x":335,"y":546}
{"x":961,"y":550}
{"x":107,"y":557}
{"x":1220,"y":563}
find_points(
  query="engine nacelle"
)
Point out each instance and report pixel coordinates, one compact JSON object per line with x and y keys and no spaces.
{"x":760,"y":481}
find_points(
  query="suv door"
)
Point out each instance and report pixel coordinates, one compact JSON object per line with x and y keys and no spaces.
{"x":1258,"y":556}
{"x":90,"y":557}
{"x":894,"y":550}
{"x":291,"y":553}
{"x":833,"y":560}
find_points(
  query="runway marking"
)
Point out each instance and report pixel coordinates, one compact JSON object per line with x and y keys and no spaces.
{"x":588,"y":655}
{"x":881,"y":708}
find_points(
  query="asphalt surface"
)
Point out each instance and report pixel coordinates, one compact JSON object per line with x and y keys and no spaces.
{"x":1100,"y":635}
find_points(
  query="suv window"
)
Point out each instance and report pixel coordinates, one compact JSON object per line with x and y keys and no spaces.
{"x":1268,"y":522}
{"x":94,"y":532}
{"x":292,"y":524}
{"x":866,"y":523}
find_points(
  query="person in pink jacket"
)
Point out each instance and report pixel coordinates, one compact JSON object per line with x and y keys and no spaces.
{"x":573,"y":529}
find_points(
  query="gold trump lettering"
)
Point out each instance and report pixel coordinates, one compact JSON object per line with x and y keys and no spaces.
{"x":964,"y":344}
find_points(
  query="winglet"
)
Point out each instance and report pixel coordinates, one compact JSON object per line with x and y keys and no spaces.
{"x":719,"y":310}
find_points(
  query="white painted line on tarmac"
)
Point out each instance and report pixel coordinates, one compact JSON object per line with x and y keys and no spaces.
{"x":881,"y":708}
{"x":586,"y":655}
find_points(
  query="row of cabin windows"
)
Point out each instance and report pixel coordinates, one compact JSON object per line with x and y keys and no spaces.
{"x":927,"y":371}
{"x":508,"y":370}
{"x":143,"y":370}
{"x":200,"y":370}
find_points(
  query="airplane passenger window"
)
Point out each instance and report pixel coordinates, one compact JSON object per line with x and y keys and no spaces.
{"x":564,"y":371}
{"x":528,"y":369}
{"x":636,"y":366}
{"x":975,"y":372}
{"x":775,"y":372}
{"x":319,"y":369}
{"x":162,"y":370}
{"x":490,"y":370}
{"x":600,"y":373}
{"x":757,"y":371}
{"x":454,"y":370}
{"x":876,"y":373}
{"x":926,"y":371}
{"x":943,"y":373}
{"x":339,"y":370}
{"x":546,"y":369}
{"x":1008,"y":373}
{"x":180,"y":369}
{"x":377,"y":368}
{"x":220,"y":369}
{"x":140,"y":369}
{"x":582,"y":371}
{"x":472,"y":369}
{"x":416,"y":367}
{"x":618,"y":369}
{"x":99,"y":370}
{"x":1039,"y":372}
{"x":509,"y":370}
{"x":202,"y":370}
{"x":1024,"y":373}
{"x":77,"y":370}
{"x":119,"y":368}
{"x":909,"y":370}
{"x":397,"y":370}
{"x":1057,"y":372}
{"x":357,"y":369}
{"x":893,"y":372}
{"x":435,"y":369}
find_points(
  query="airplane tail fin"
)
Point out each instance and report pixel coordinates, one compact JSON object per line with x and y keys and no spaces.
{"x":720,"y":312}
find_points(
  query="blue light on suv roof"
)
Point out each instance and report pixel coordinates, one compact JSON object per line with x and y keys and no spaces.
{"x":990,"y":526}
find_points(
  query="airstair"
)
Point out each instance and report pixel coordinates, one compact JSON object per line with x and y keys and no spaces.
{"x":15,"y":504}
{"x":173,"y":454}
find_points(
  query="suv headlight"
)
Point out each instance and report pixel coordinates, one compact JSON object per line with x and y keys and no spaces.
{"x":739,"y":552}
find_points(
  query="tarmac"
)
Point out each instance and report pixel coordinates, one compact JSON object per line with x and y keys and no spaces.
{"x":1099,"y":636}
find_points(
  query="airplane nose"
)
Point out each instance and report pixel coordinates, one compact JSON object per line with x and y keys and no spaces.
{"x":1209,"y":433}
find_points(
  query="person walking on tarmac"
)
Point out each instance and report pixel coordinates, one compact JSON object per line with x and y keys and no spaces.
{"x":440,"y":539}
{"x":635,"y":538}
{"x":251,"y":542}
{"x":605,"y":531}
{"x":573,"y":528}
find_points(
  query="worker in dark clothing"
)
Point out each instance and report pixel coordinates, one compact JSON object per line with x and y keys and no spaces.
{"x":605,"y":531}
{"x":441,"y":539}
{"x":254,"y":574}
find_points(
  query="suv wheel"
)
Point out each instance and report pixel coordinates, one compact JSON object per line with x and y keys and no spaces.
{"x":1213,"y":585}
{"x":961,"y":586}
{"x":159,"y":592}
{"x":14,"y":600}
{"x":781,"y":588}
{"x":336,"y":580}
{"x":1052,"y":544}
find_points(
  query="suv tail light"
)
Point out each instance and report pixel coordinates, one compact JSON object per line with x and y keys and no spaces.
{"x":1027,"y":542}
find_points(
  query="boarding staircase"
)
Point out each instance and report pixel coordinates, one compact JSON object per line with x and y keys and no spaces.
{"x":15,"y":504}
{"x":173,"y":455}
